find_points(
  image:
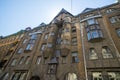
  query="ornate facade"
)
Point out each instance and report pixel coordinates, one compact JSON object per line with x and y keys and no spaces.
{"x":82,"y":47}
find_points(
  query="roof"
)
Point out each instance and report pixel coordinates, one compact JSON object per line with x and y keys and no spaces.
{"x":61,"y":12}
{"x":87,"y":10}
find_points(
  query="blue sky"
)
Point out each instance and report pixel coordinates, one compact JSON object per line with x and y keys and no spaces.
{"x":19,"y":14}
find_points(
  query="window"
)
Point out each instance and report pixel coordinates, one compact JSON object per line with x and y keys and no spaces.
{"x":20,"y":51}
{"x":106,"y":52}
{"x":14,"y":62}
{"x":45,"y":60}
{"x":49,"y":45}
{"x":118,"y":31}
{"x":67,"y":29}
{"x":27,"y":60}
{"x":51,"y":68}
{"x":73,"y":29}
{"x":52,"y":34}
{"x":74,"y":41}
{"x":109,"y":10}
{"x":92,"y":54}
{"x":75,"y":57}
{"x":93,"y":32}
{"x":43,"y":47}
{"x":71,"y":76}
{"x":33,"y":36}
{"x":114,"y":19}
{"x":64,"y":59}
{"x":23,"y":76}
{"x":19,"y":75}
{"x":57,"y":53}
{"x":38,"y":60}
{"x":30,"y":44}
{"x":22,"y":60}
{"x":97,"y":76}
{"x":24,"y":41}
{"x":92,"y":21}
{"x":31,"y":41}
{"x":114,"y":75}
{"x":58,"y":41}
{"x":46,"y":36}
{"x":29,"y":47}
{"x":5,"y":76}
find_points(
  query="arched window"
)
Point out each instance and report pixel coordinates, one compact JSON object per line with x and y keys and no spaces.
{"x":106,"y":52}
{"x":71,"y":76}
{"x":92,"y":54}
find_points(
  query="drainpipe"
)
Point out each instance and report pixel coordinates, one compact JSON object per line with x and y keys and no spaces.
{"x":83,"y":47}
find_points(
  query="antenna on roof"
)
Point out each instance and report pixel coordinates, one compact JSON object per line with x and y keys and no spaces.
{"x":71,"y":6}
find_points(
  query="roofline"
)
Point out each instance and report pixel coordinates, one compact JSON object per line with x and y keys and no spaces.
{"x":99,"y":8}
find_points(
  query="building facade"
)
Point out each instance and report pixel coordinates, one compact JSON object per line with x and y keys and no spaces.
{"x":82,"y":47}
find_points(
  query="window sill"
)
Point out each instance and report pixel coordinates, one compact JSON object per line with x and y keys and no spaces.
{"x":96,"y":39}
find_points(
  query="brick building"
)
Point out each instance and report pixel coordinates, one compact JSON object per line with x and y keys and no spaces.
{"x":82,"y":47}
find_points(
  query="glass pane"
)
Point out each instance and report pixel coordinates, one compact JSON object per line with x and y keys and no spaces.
{"x":91,"y":21}
{"x":34,"y":36}
{"x":89,"y":35}
{"x":93,"y":54}
{"x":95,"y":34}
{"x":38,"y":60}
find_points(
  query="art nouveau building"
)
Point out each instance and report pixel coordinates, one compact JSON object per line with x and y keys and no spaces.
{"x":82,"y":47}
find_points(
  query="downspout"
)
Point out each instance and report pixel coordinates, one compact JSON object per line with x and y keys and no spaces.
{"x":83,"y":47}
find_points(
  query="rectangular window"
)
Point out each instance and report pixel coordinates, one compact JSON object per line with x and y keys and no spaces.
{"x":114,"y":75}
{"x":74,"y":41}
{"x":118,"y":31}
{"x":49,"y":45}
{"x":33,"y":36}
{"x":64,"y":59}
{"x":52,"y":34}
{"x":43,"y":47}
{"x":25,"y":40}
{"x":95,"y":34}
{"x":14,"y":62}
{"x":97,"y":76}
{"x":106,"y":52}
{"x":45,"y":60}
{"x":93,"y":54}
{"x":90,"y":21}
{"x":58,"y":41}
{"x":38,"y":60}
{"x":31,"y":41}
{"x":29,"y":47}
{"x":19,"y":75}
{"x":113,"y":19}
{"x":20,"y":51}
{"x":22,"y":60}
{"x":46,"y":36}
{"x":57,"y":53}
{"x":27,"y":60}
{"x":89,"y":36}
{"x":75,"y":57}
{"x":5,"y":76}
{"x":73,"y":29}
{"x":52,"y":69}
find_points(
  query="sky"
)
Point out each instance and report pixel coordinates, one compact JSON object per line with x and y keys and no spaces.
{"x":16,"y":15}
